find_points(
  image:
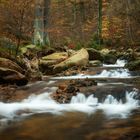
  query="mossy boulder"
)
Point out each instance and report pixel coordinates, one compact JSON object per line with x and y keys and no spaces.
{"x":105,"y":51}
{"x":94,"y":54}
{"x":110,"y":59}
{"x":129,"y":55}
{"x":46,"y":63}
{"x":46,"y":66}
{"x":26,"y":48}
{"x":133,"y":65}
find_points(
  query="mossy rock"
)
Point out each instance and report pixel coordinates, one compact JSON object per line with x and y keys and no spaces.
{"x":25,"y":48}
{"x":94,"y":54}
{"x":110,"y":59}
{"x":95,"y":63}
{"x":9,"y":76}
{"x":133,"y":65}
{"x":56,"y":56}
{"x":6,"y":63}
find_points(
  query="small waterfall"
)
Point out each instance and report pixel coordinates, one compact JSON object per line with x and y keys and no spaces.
{"x":119,"y":63}
{"x":115,"y":73}
{"x":45,"y":104}
{"x":110,"y":106}
{"x":130,"y":99}
{"x":81,"y":98}
{"x":118,"y":73}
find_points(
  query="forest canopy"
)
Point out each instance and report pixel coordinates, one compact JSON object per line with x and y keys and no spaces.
{"x":70,"y":22}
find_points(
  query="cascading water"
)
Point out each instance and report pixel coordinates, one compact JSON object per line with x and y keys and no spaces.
{"x":115,"y":73}
{"x":119,"y":63}
{"x":118,"y":73}
{"x":44,"y":103}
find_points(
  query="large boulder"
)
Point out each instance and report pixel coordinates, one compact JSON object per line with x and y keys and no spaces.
{"x":46,"y":63}
{"x":9,"y":76}
{"x":6,"y":63}
{"x":94,"y":54}
{"x":133,"y":65}
{"x":80,"y":58}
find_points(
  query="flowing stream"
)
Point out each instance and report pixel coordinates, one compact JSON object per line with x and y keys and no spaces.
{"x":39,"y":117}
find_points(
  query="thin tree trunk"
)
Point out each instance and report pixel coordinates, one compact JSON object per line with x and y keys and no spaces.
{"x":128,"y":4}
{"x":46,"y":21}
{"x":99,"y":21}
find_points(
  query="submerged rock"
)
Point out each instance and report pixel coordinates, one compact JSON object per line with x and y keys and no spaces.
{"x":69,"y":89}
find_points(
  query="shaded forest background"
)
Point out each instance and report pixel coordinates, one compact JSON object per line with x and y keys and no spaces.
{"x":72,"y":22}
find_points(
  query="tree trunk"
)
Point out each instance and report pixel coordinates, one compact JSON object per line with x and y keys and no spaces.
{"x":46,"y":21}
{"x":39,"y":24}
{"x":99,"y":21}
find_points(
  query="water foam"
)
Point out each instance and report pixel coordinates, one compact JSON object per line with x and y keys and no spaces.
{"x":119,"y":63}
{"x":43,"y":103}
{"x":118,"y":73}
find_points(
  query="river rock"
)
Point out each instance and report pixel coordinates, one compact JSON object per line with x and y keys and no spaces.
{"x":129,"y":55}
{"x":46,"y":66}
{"x":10,"y":76}
{"x":94,"y":54}
{"x":78,"y":59}
{"x":56,"y":56}
{"x":6,"y":63}
{"x":26,"y":48}
{"x":66,"y":90}
{"x":110,"y":59}
{"x":46,"y":63}
{"x":45,"y":52}
{"x":133,"y":65}
{"x":95,"y":63}
{"x":105,"y":51}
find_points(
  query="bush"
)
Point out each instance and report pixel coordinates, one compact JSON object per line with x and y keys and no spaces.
{"x":79,"y":46}
{"x":94,"y":43}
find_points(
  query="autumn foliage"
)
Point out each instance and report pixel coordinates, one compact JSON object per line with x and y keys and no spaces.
{"x":72,"y":22}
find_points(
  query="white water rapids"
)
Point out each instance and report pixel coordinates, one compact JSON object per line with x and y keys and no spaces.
{"x":119,"y":63}
{"x":118,"y":73}
{"x":113,"y":73}
{"x":43,"y":103}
